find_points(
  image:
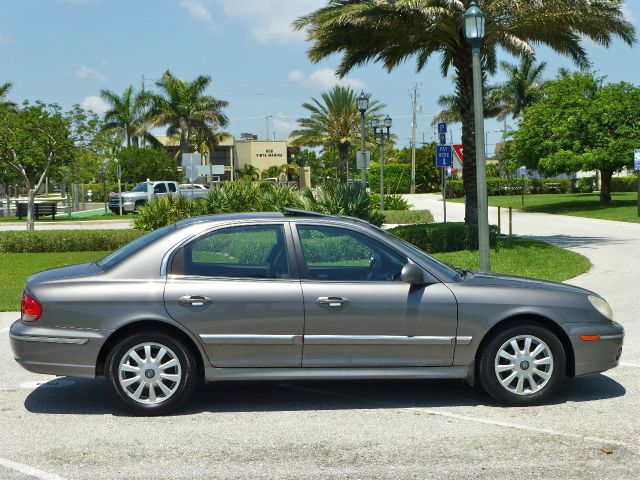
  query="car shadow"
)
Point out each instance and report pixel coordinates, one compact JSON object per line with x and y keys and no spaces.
{"x":70,"y":396}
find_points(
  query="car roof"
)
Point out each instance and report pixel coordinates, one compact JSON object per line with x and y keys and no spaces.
{"x":289,"y":213}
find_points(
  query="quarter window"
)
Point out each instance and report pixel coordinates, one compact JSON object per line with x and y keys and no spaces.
{"x":339,"y":254}
{"x":256,"y":251}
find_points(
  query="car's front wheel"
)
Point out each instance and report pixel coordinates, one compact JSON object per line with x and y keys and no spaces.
{"x":150,"y":373}
{"x":522,"y":365}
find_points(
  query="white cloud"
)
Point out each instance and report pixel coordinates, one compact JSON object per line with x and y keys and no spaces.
{"x":5,"y":40}
{"x":282,"y":126}
{"x":198,"y":10}
{"x":88,"y":73}
{"x":95,"y":104}
{"x":324,"y":78}
{"x":270,"y":21}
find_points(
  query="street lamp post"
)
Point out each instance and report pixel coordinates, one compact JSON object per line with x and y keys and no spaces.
{"x":206,"y":157}
{"x":383,"y":136}
{"x":473,"y":22}
{"x":363,"y":105}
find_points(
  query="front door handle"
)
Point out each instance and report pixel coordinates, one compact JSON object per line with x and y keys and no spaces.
{"x":332,"y":301}
{"x":194,"y":301}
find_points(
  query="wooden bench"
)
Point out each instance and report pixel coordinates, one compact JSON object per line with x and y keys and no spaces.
{"x":39,"y":210}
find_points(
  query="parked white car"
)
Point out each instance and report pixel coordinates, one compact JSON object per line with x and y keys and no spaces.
{"x":192,"y":190}
{"x":139,"y":195}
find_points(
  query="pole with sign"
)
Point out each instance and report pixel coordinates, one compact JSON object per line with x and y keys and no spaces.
{"x":636,"y":167}
{"x":444,"y":160}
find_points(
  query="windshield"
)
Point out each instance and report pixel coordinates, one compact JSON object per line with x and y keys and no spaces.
{"x":141,"y":187}
{"x":116,"y":257}
{"x":436,"y":265}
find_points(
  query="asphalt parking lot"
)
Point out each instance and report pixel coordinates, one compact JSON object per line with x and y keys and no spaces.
{"x":68,"y":428}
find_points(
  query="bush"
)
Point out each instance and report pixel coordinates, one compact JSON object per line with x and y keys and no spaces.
{"x":397,"y":178}
{"x":97,"y":191}
{"x":624,"y":184}
{"x":65,"y":240}
{"x":166,"y":210}
{"x":443,"y":237}
{"x":407,"y":216}
{"x":392,"y":201}
{"x":585,"y":185}
{"x":455,"y":189}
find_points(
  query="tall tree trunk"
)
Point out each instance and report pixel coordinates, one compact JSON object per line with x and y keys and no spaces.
{"x":343,"y":151}
{"x":31,"y":196}
{"x":469,"y":177}
{"x":605,"y":188}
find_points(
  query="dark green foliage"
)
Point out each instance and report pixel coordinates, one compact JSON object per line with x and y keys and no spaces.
{"x":164,"y":211}
{"x":97,"y":190}
{"x":397,"y":178}
{"x":585,"y":185}
{"x":65,"y":240}
{"x":443,"y":237}
{"x":392,"y":201}
{"x":138,"y":164}
{"x":624,"y":184}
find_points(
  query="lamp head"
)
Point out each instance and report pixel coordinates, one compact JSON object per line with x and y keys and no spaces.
{"x":473,"y":23}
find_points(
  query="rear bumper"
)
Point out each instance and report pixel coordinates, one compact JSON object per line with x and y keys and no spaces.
{"x":56,"y":351}
{"x":595,"y":356}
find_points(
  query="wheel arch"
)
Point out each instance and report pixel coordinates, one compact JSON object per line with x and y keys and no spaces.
{"x":529,"y":318}
{"x":146,"y":326}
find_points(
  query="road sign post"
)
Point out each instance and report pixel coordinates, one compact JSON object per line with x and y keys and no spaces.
{"x":444,"y":160}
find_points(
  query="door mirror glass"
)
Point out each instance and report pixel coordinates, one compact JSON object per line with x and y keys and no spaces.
{"x":412,"y":274}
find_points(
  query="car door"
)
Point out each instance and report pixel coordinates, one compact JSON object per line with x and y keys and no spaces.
{"x":357,"y":311}
{"x":237,"y":289}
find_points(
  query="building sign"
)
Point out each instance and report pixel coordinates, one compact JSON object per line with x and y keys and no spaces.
{"x":269,"y":153}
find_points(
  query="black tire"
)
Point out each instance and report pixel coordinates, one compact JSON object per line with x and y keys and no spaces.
{"x":487,"y":370}
{"x":182,"y":389}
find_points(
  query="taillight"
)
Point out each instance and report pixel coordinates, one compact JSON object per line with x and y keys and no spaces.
{"x":30,"y":308}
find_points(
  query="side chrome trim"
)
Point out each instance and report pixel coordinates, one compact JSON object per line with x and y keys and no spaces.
{"x":374,"y":340}
{"x":33,"y":338}
{"x":463,"y":340}
{"x":612,"y":337}
{"x":251,"y":339}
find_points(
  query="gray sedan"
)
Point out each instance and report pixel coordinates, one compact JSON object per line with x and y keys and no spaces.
{"x":302,"y":296}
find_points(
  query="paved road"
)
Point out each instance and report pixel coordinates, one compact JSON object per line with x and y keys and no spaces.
{"x":69,"y":429}
{"x":69,"y":225}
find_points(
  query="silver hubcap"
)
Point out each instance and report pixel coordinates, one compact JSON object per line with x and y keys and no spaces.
{"x":524,"y":364}
{"x":149,"y":373}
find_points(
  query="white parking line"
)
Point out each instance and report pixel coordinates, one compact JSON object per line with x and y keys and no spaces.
{"x":27,"y":470}
{"x":445,"y":414}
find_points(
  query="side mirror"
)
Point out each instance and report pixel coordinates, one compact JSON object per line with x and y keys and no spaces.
{"x":412,"y":274}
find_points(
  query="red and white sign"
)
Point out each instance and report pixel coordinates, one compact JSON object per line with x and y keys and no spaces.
{"x":459,"y":152}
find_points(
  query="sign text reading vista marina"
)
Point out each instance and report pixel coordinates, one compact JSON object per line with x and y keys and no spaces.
{"x":269,"y":153}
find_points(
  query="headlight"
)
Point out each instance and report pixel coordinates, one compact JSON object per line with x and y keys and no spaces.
{"x":601,"y":306}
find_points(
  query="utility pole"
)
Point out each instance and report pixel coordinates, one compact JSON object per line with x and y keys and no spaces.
{"x":414,"y":106}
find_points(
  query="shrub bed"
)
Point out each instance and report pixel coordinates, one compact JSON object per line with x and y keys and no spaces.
{"x":65,"y":240}
{"x":624,"y":184}
{"x":407,"y":216}
{"x":443,"y":237}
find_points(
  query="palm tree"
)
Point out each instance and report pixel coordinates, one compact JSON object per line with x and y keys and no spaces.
{"x":4,"y":89}
{"x":522,"y":88}
{"x":186,"y":111}
{"x":126,"y":114}
{"x":391,"y":31}
{"x":249,"y":172}
{"x":334,"y":122}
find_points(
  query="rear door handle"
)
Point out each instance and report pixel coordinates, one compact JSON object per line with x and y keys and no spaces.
{"x":194,"y":301}
{"x":332,"y":301}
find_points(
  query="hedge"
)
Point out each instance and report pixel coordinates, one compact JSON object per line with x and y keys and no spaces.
{"x":443,"y":237}
{"x":624,"y":184}
{"x":397,"y":178}
{"x":65,"y":240}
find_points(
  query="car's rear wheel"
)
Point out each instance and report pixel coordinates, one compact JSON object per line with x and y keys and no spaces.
{"x":150,"y":373}
{"x":522,"y":365}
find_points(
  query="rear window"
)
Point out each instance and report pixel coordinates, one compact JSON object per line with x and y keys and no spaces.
{"x":119,"y":255}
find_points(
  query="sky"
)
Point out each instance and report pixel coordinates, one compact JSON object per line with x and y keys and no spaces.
{"x":66,"y":51}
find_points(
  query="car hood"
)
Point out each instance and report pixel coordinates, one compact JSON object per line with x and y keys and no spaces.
{"x":512,"y":281}
{"x":72,"y":271}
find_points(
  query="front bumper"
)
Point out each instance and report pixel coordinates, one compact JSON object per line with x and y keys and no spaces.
{"x":595,"y":356}
{"x":56,"y":351}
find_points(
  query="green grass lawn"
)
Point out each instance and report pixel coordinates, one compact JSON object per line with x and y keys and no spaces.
{"x":16,"y":267}
{"x":623,"y":207}
{"x":528,"y":258}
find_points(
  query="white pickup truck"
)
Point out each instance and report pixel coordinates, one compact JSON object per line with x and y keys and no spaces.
{"x":139,"y":195}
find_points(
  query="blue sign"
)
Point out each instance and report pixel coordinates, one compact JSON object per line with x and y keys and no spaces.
{"x":443,"y":156}
{"x":442,"y":127}
{"x":443,"y":138}
{"x":636,"y":159}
